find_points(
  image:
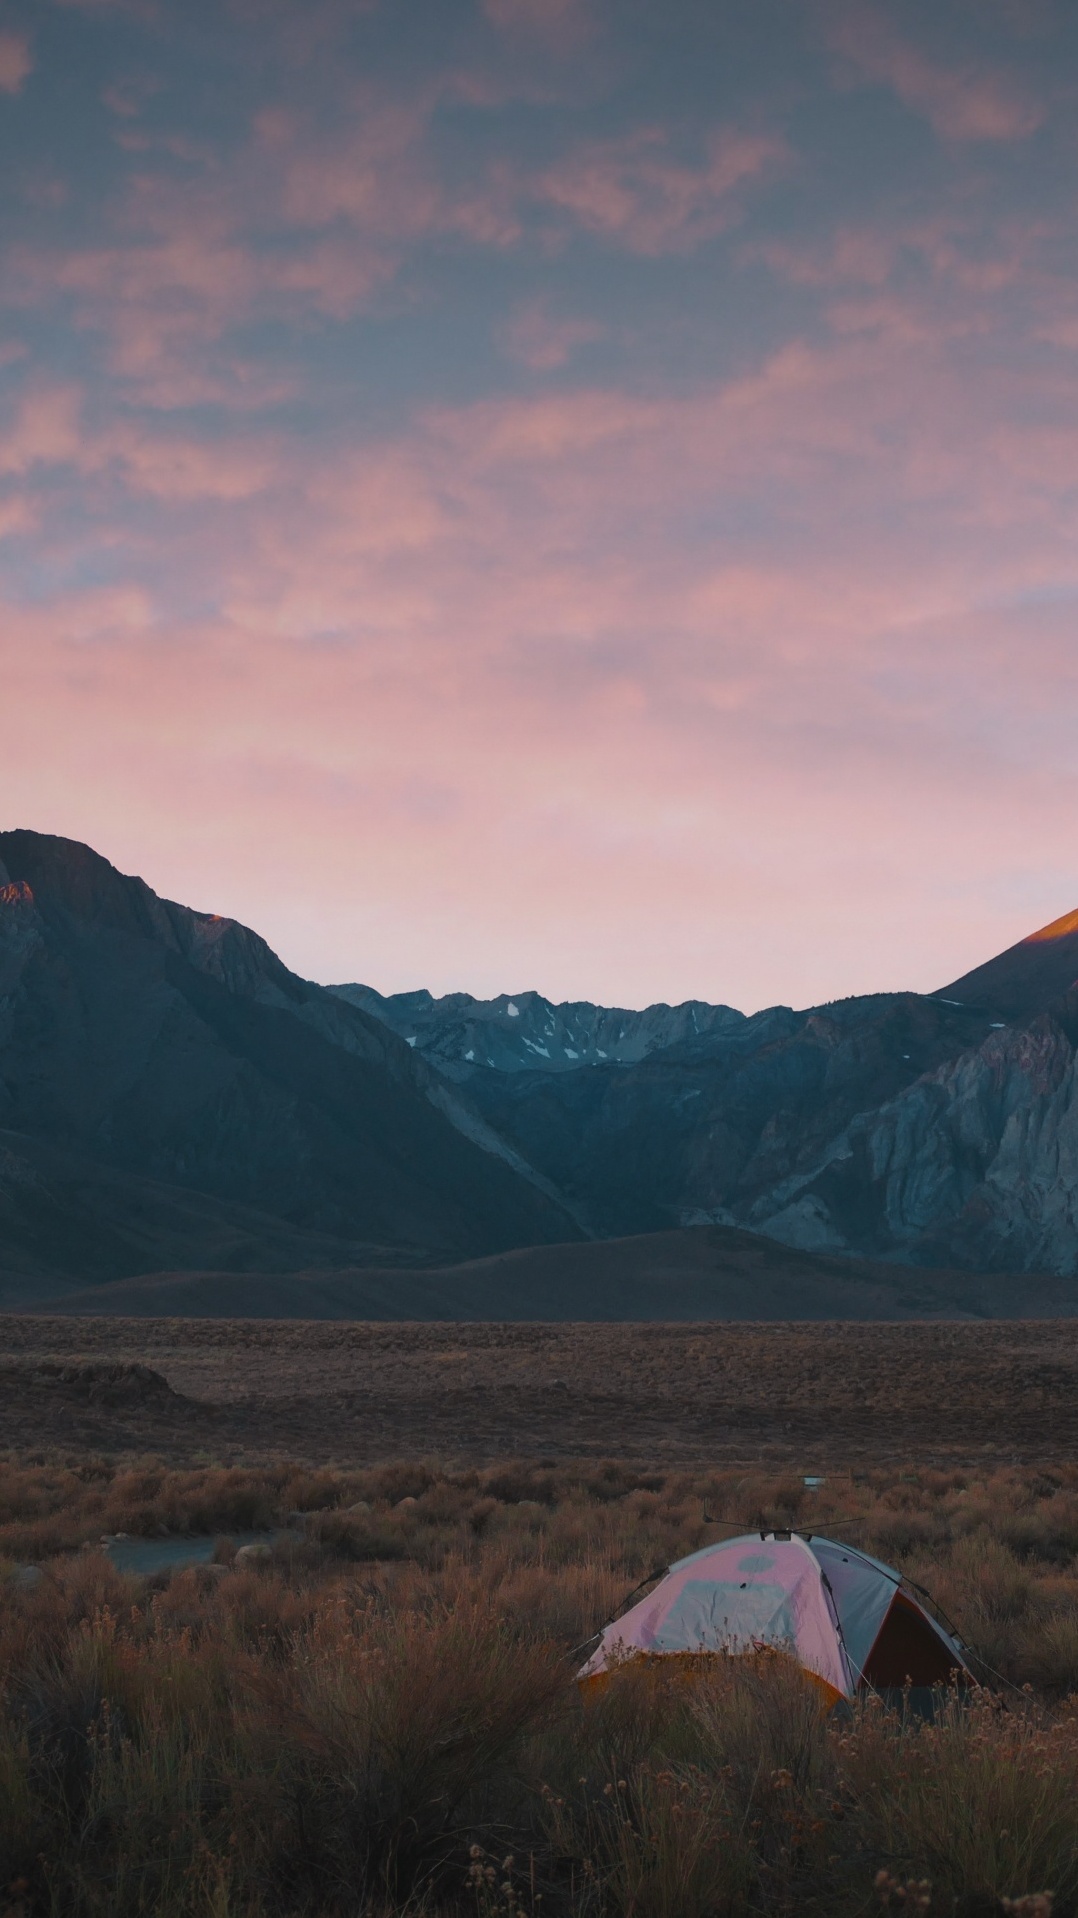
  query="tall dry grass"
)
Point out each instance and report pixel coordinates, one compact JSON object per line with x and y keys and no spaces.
{"x":381,"y":1718}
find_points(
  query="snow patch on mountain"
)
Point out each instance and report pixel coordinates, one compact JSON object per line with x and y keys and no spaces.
{"x":528,"y":1033}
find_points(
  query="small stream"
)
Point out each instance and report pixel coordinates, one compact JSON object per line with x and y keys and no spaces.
{"x":142,"y":1556}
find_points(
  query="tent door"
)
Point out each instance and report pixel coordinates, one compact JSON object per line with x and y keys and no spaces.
{"x":908,"y":1647}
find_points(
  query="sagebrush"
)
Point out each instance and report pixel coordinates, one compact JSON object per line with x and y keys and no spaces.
{"x":382,"y":1717}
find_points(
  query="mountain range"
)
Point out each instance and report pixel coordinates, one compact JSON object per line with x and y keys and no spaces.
{"x":938,"y":1129}
{"x":175,"y":1101}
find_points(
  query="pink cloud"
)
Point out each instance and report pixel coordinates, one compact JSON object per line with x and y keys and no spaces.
{"x":544,"y":341}
{"x":969,"y":101}
{"x":129,"y":96}
{"x":633,"y":190}
{"x":955,"y":246}
{"x":1061,"y":327}
{"x":372,"y":177}
{"x":47,"y":430}
{"x":16,"y":62}
{"x":303,"y":223}
{"x":936,"y":279}
{"x":562,"y":25}
{"x":178,"y":467}
{"x":404,"y":531}
{"x":44,"y":431}
{"x":147,"y":11}
{"x":633,"y":856}
{"x":380,"y":179}
{"x":763,"y":690}
{"x":184,"y":259}
{"x":165,"y":299}
{"x":858,"y":255}
{"x":17,"y":516}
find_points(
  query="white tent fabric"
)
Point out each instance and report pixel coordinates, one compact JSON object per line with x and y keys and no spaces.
{"x":863,"y":1590}
{"x":824,"y":1603}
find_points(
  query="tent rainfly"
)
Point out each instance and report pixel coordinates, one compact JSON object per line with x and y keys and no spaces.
{"x":847,"y":1619}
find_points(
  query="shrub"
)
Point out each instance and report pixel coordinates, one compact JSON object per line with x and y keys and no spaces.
{"x":984,"y":1801}
{"x":334,"y":1731}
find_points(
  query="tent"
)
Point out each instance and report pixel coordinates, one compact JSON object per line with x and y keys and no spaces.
{"x":848,"y":1619}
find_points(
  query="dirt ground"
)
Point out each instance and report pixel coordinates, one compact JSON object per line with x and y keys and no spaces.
{"x":821,"y":1396}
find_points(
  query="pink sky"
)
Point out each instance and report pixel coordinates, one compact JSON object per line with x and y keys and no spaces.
{"x":495,"y":507}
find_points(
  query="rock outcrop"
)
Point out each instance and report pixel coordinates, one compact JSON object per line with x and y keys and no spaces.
{"x":976,"y":1164}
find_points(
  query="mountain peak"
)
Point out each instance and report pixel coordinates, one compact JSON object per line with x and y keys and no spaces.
{"x":1028,"y":977}
{"x":1059,"y":929}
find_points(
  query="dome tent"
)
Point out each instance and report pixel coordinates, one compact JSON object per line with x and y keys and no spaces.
{"x":848,"y":1619}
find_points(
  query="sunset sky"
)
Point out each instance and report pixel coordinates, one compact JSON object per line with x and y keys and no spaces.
{"x":573,"y":494}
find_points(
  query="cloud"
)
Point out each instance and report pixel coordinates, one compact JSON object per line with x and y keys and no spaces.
{"x":167,"y":294}
{"x":654,"y":677}
{"x":146,"y":12}
{"x":44,"y":431}
{"x":17,"y":516}
{"x":544,"y":341}
{"x":313,"y":217}
{"x":500,"y":640}
{"x":129,"y":96}
{"x":955,"y":274}
{"x":634,"y":192}
{"x":294,"y":225}
{"x":967,"y":101}
{"x":47,"y":430}
{"x":16,"y":62}
{"x":563,"y":26}
{"x":373,"y":175}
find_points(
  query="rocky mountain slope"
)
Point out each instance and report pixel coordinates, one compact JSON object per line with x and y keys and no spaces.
{"x":528,"y":1033}
{"x":935,"y":1129}
{"x":975,"y":1164}
{"x":168,"y":1087}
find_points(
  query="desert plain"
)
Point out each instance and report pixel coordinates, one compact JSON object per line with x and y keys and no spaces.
{"x":825,"y":1395}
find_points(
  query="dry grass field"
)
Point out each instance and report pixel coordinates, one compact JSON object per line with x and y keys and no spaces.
{"x":829,"y":1395}
{"x":378,"y":1715}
